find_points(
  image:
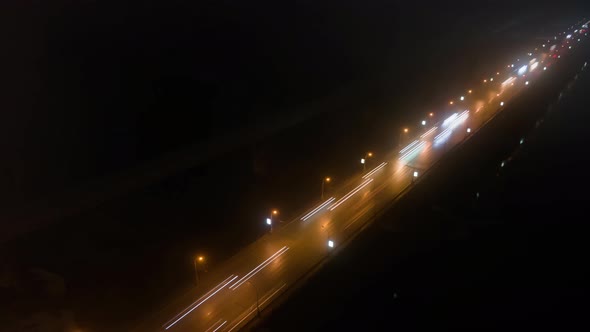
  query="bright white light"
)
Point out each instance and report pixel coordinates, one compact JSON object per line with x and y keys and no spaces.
{"x":543,"y":45}
{"x":462,"y":98}
{"x":570,"y":47}
{"x":578,"y":39}
{"x":501,"y":103}
{"x":450,"y":119}
{"x":362,"y":160}
{"x":544,"y":68}
{"x":534,"y":66}
{"x":331,"y":244}
{"x":521,"y":140}
{"x":415,"y":174}
{"x":568,"y":36}
{"x":468,"y":130}
{"x":423,"y":122}
{"x":412,"y":152}
{"x":512,"y":65}
{"x":526,"y":83}
{"x":491,"y":79}
{"x":268,"y":221}
{"x":502,"y":164}
{"x":522,"y":70}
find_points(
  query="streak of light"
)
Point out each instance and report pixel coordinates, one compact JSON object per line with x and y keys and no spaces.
{"x":317,"y":209}
{"x":271,"y":295}
{"x":375,"y":170}
{"x":350,"y":194}
{"x":219,"y":326}
{"x":413,"y":151}
{"x":449,"y":120}
{"x":428,"y":132}
{"x":201,"y":300}
{"x":258,"y":268}
{"x":214,"y":325}
{"x":409,"y":146}
{"x":254,"y":310}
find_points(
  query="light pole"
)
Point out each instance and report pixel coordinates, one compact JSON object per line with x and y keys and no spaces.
{"x":269,"y":219}
{"x":198,"y":260}
{"x":404,"y":131}
{"x":257,"y":298}
{"x":324,"y":180}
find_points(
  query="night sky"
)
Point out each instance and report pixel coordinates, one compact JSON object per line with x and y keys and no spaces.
{"x":94,"y":87}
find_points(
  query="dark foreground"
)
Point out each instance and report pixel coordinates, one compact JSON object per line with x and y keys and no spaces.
{"x":512,"y":258}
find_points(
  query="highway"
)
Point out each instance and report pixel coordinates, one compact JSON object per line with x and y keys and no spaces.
{"x":234,"y":292}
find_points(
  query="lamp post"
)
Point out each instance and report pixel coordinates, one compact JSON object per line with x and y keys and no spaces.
{"x":269,"y":219}
{"x":404,"y":131}
{"x":324,"y":180}
{"x":198,"y":260}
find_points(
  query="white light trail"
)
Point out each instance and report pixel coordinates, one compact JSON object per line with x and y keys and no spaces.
{"x":522,"y":70}
{"x":375,"y":170}
{"x":446,"y":133}
{"x":426,"y":134}
{"x":258,"y":268}
{"x":201,"y":300}
{"x":450,"y":119}
{"x":219,"y":326}
{"x":508,"y":81}
{"x":317,"y":209}
{"x":408,"y":146}
{"x":413,"y":151}
{"x":350,"y":194}
{"x":534,"y":66}
{"x":214,"y":325}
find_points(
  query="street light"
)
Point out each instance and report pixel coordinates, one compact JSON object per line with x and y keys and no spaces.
{"x":199,"y":260}
{"x":330,"y":244}
{"x":462,"y":98}
{"x":430,"y":114}
{"x":468,"y":130}
{"x":404,"y":131}
{"x":363,"y":162}
{"x":269,"y":219}
{"x":324,"y":181}
{"x":424,"y":122}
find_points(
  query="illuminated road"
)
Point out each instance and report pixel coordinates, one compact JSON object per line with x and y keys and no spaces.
{"x":228,"y":296}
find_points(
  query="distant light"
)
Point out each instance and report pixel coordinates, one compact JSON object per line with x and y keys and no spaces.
{"x":275,"y":211}
{"x":268,"y":221}
{"x":512,"y":65}
{"x":578,"y":39}
{"x":544,"y":68}
{"x":543,"y":45}
{"x":491,"y":79}
{"x":431,"y":114}
{"x":497,"y":73}
{"x":424,"y":122}
{"x":451,"y":102}
{"x":362,"y":160}
{"x":521,"y":140}
{"x":501,"y":103}
{"x":469,"y":91}
{"x":522,"y":70}
{"x":485,"y":81}
{"x":468,"y":130}
{"x":415,"y":174}
{"x":502,"y":164}
{"x":330,"y":243}
{"x":568,"y":36}
{"x":462,"y":98}
{"x":570,"y":47}
{"x":559,"y":56}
